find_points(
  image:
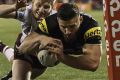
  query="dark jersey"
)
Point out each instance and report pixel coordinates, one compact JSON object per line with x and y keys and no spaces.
{"x":89,"y":32}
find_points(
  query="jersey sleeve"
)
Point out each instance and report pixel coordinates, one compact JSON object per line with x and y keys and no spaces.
{"x":93,"y":34}
{"x":20,"y":15}
{"x":24,"y":15}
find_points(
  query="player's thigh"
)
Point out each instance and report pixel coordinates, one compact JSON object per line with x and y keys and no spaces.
{"x":37,"y":67}
{"x":21,"y":70}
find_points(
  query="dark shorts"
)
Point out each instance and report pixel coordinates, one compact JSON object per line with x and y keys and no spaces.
{"x":29,"y":58}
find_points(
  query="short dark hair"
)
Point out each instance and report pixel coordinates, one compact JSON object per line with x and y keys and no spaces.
{"x":67,"y":11}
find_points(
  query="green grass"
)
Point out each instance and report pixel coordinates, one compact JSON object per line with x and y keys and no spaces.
{"x":9,"y":30}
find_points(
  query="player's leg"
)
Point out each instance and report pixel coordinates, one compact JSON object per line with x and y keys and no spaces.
{"x":26,"y":65}
{"x":21,"y":70}
{"x":7,"y":51}
{"x":37,"y":68}
{"x":35,"y":73}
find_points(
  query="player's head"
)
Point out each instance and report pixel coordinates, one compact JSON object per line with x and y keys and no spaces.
{"x":42,"y":8}
{"x":69,"y":19}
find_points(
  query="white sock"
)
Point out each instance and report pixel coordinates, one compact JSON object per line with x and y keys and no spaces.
{"x":9,"y":53}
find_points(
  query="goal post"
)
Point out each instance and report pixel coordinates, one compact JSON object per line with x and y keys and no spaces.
{"x":112,"y":36}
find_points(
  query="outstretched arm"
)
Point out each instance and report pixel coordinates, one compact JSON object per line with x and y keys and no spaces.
{"x":88,"y":61}
{"x":35,"y":42}
{"x":7,"y":10}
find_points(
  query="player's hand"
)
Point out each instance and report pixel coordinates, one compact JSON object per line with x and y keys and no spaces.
{"x":21,"y":3}
{"x":53,"y":45}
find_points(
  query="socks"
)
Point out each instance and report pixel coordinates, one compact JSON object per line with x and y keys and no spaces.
{"x":8,"y":52}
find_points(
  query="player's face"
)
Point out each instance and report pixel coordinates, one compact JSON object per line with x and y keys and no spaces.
{"x":42,"y":8}
{"x":69,"y":27}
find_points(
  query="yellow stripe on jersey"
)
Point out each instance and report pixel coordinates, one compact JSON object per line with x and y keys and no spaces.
{"x":43,"y":26}
{"x":95,"y":31}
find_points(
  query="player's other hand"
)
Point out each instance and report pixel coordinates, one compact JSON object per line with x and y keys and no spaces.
{"x":21,"y":3}
{"x":53,"y":45}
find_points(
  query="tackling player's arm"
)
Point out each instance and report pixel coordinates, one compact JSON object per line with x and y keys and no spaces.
{"x":35,"y":42}
{"x":38,"y":40}
{"x":8,"y":11}
{"x":91,"y":53}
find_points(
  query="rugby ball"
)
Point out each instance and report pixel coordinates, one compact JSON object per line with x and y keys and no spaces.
{"x":47,"y":59}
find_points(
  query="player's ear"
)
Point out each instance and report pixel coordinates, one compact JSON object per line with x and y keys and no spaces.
{"x":81,"y":18}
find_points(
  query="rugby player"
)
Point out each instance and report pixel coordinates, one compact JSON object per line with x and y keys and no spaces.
{"x":68,"y":33}
{"x":33,"y":13}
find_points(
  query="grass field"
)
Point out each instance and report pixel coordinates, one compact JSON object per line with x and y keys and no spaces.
{"x":8,"y":33}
